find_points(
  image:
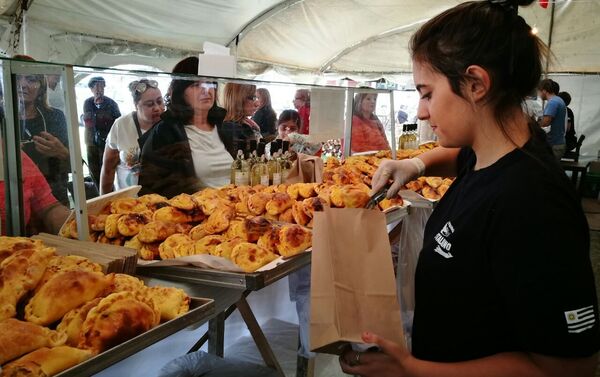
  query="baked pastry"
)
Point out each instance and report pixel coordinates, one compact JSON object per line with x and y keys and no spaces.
{"x":124,"y":282}
{"x":389,"y":203}
{"x":118,"y":241}
{"x":175,"y":246}
{"x":184,"y":202}
{"x":270,"y":240}
{"x":153,"y":201}
{"x":129,"y":225}
{"x":171,"y":302}
{"x":71,"y":323}
{"x":207,"y":244}
{"x":172,"y":215}
{"x":254,"y":227}
{"x":287,"y":216}
{"x":235,"y":230}
{"x":97,"y":223}
{"x":434,"y":182}
{"x":415,"y":185}
{"x":299,"y":215}
{"x":430,"y":193}
{"x":250,"y":257}
{"x":117,"y":317}
{"x":225,"y":248}
{"x":133,"y":243}
{"x":324,"y":193}
{"x":18,"y":338}
{"x":219,"y":220}
{"x":293,"y":239}
{"x":293,"y":190}
{"x":198,"y":232}
{"x":257,"y":203}
{"x":111,"y":229}
{"x":349,"y":196}
{"x":279,"y":203}
{"x":61,"y":263}
{"x":73,"y":233}
{"x":66,"y":291}
{"x":156,"y":231}
{"x":149,"y":251}
{"x":46,"y":362}
{"x":442,"y":189}
{"x":306,"y":190}
{"x":124,"y":206}
{"x":20,"y":273}
{"x":311,"y":205}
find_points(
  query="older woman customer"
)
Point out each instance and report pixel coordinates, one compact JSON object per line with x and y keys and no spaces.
{"x":44,"y":133}
{"x":122,"y":152}
{"x":240,"y":103}
{"x":185,"y":151}
{"x":367,"y":130}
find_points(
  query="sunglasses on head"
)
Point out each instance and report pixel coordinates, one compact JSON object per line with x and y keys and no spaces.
{"x":142,"y":86}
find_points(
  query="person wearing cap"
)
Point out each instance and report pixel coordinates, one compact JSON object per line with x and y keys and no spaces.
{"x":99,"y":114}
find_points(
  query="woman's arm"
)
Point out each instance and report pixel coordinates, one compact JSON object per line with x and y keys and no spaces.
{"x":396,"y":361}
{"x":54,"y":217}
{"x":109,"y":165}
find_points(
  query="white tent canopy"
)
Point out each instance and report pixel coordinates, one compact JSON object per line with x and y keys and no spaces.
{"x":307,"y":40}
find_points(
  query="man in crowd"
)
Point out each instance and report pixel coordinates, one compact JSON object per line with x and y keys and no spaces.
{"x":99,"y":114}
{"x":554,"y":116}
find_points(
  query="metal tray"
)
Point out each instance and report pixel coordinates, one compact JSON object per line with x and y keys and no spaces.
{"x":247,"y":281}
{"x":201,"y":309}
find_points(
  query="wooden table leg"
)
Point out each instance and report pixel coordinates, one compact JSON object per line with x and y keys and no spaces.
{"x":259,"y":337}
{"x":216,"y":335}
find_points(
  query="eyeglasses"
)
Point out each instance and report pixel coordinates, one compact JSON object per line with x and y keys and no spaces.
{"x":142,"y":86}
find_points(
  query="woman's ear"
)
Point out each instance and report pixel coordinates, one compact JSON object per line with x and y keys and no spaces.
{"x":478,"y":84}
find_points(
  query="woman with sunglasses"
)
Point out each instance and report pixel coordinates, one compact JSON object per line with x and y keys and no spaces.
{"x":504,"y":285}
{"x":44,"y":133}
{"x":122,"y":151}
{"x":240,"y":102}
{"x":186,"y":150}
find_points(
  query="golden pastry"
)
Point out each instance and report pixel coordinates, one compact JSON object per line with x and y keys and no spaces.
{"x":442,"y":189}
{"x":184,"y":202}
{"x":127,"y":205}
{"x":257,"y":202}
{"x":133,"y":243}
{"x":390,"y":203}
{"x":430,"y":193}
{"x":225,"y":248}
{"x":198,"y":232}
{"x":119,"y":241}
{"x":279,"y":203}
{"x":287,"y":216}
{"x":250,"y":257}
{"x":149,"y":251}
{"x":175,"y":246}
{"x":434,"y":182}
{"x":171,"y":302}
{"x":46,"y":362}
{"x":20,"y":273}
{"x":324,"y":193}
{"x":270,"y":240}
{"x":293,"y":239}
{"x":117,"y":317}
{"x":73,"y":233}
{"x":306,"y":190}
{"x":219,"y":221}
{"x":61,"y":263}
{"x":311,"y":205}
{"x":71,"y":323}
{"x":153,"y":201}
{"x":18,"y":338}
{"x":299,"y":215}
{"x":293,"y":190}
{"x":66,"y":291}
{"x":254,"y":227}
{"x":129,"y":225}
{"x":124,"y":282}
{"x":97,"y":222}
{"x":156,"y":231}
{"x":171,"y":214}
{"x":111,"y":229}
{"x":415,"y":185}
{"x":207,"y":245}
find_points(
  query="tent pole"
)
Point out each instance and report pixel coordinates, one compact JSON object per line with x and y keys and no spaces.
{"x":550,"y":31}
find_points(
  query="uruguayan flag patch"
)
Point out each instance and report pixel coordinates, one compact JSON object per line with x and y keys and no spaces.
{"x":580,"y":320}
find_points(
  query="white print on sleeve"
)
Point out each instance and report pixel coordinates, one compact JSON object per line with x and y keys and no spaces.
{"x":443,"y":246}
{"x":580,"y":320}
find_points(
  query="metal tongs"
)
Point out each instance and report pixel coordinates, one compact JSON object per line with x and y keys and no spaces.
{"x":377,"y":197}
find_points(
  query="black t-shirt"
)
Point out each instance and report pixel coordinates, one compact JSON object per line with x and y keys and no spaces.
{"x":505,"y":264}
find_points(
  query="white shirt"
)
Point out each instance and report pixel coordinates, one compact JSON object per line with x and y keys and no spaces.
{"x":123,"y":136}
{"x":212,"y":162}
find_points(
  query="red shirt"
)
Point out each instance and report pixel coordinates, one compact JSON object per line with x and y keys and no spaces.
{"x":37,"y":195}
{"x":304,"y":113}
{"x":368,"y":135}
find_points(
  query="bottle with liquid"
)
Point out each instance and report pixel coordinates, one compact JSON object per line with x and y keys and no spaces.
{"x":239,"y":170}
{"x":286,"y":165}
{"x":402,"y":140}
{"x":274,"y":169}
{"x":260,"y":173}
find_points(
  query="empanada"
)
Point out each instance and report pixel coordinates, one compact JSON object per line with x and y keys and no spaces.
{"x":149,"y":251}
{"x":184,"y":202}
{"x":153,"y":201}
{"x":293,"y":239}
{"x":293,"y":190}
{"x":390,"y":203}
{"x":61,"y":263}
{"x":66,"y":291}
{"x":175,"y":246}
{"x":207,"y":244}
{"x":219,"y":221}
{"x":430,"y":193}
{"x":124,"y":282}
{"x":18,"y":338}
{"x":111,"y":228}
{"x":171,"y":214}
{"x":129,"y":225}
{"x":117,"y":317}
{"x":225,"y":248}
{"x":311,"y":205}
{"x":97,"y":223}
{"x":300,"y":216}
{"x":254,"y":227}
{"x":172,"y":302}
{"x":270,"y":240}
{"x":257,"y":203}
{"x":287,"y":216}
{"x":250,"y":257}
{"x":156,"y":231}
{"x":434,"y":182}
{"x":20,"y":273}
{"x":198,"y":232}
{"x":71,"y":323}
{"x":124,"y":206}
{"x":45,"y":362}
{"x":133,"y":243}
{"x":306,"y":190}
{"x":279,"y":203}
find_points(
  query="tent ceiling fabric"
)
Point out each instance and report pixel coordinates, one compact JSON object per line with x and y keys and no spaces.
{"x":317,"y":36}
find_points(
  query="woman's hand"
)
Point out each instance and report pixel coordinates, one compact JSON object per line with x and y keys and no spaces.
{"x":50,"y":146}
{"x":393,"y":360}
{"x":399,"y":172}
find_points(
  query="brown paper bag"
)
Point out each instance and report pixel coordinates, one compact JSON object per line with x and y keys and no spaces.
{"x":353,"y":288}
{"x":306,"y":169}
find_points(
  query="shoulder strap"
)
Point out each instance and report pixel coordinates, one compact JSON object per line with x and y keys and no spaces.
{"x":137,"y":124}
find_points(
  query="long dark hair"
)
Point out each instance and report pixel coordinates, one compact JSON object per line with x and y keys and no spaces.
{"x":491,"y":35}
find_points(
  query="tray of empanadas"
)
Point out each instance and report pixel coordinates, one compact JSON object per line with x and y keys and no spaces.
{"x":57,"y":311}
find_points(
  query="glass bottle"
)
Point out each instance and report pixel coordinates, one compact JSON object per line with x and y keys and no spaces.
{"x":274,"y":169}
{"x":260,"y":173}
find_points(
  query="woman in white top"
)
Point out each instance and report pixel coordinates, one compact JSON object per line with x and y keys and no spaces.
{"x":122,"y":150}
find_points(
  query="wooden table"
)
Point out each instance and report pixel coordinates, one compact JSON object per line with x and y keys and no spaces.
{"x":575,"y":168}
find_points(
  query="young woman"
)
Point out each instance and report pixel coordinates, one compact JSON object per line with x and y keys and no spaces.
{"x":265,"y":116}
{"x":122,"y":152}
{"x":367,"y":130}
{"x":240,"y":103}
{"x":504,"y":285}
{"x":186,"y":151}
